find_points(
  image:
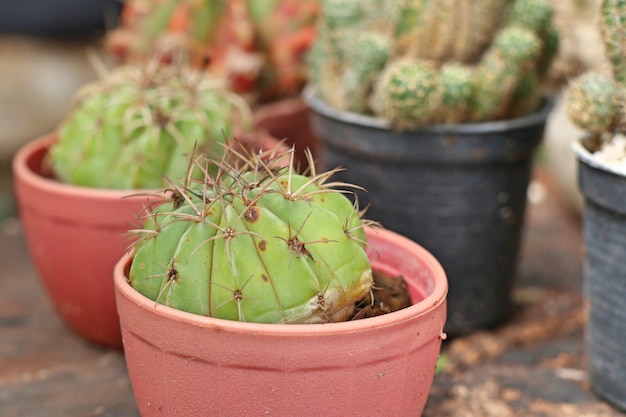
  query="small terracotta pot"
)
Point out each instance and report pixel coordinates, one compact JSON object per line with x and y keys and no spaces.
{"x":181,"y":364}
{"x":75,"y":236}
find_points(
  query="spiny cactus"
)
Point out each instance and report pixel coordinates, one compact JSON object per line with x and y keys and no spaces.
{"x":481,"y":59}
{"x":455,"y":81}
{"x":513,"y":53}
{"x":129,"y":129}
{"x":254,"y":242}
{"x":410,"y":94}
{"x":373,"y":51}
{"x":595,"y":101}
{"x":613,"y":31}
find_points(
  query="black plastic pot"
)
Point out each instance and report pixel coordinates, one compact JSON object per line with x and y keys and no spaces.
{"x":59,"y":18}
{"x":458,"y":190}
{"x":604,"y":275}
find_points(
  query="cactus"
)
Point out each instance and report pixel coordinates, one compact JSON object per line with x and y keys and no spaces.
{"x":257,"y":46}
{"x":254,"y":242}
{"x":534,"y":15}
{"x":613,"y":30}
{"x":128,"y":129}
{"x":513,"y":53}
{"x":372,"y":50}
{"x":408,"y":92}
{"x":595,"y":102}
{"x":456,"y":89}
{"x":490,"y":57}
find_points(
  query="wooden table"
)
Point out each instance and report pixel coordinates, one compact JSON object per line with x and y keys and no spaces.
{"x":534,"y":365}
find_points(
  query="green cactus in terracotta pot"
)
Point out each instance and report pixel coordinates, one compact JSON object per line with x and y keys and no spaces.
{"x":423,"y":62}
{"x":595,"y":102}
{"x":128,"y":129}
{"x":256,"y":242}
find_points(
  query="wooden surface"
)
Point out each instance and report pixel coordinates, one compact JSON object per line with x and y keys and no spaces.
{"x":534,"y":365}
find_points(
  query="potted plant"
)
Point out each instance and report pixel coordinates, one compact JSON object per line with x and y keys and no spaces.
{"x":595,"y":103}
{"x":436,"y":108}
{"x":258,"y":47}
{"x":243,"y":296}
{"x":123,"y":133}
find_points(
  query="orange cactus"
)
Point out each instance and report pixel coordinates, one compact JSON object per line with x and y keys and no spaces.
{"x":257,"y":47}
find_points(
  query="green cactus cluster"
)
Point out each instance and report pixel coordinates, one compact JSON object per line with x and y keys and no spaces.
{"x":595,"y":102}
{"x":444,"y":61}
{"x":129,"y":129}
{"x":254,"y":242}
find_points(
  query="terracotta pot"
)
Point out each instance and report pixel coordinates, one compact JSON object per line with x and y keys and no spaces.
{"x":75,"y":236}
{"x":181,"y":364}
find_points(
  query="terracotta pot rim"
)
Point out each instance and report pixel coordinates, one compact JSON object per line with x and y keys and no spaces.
{"x":316,"y":104}
{"x":36,"y":180}
{"x":430,"y":303}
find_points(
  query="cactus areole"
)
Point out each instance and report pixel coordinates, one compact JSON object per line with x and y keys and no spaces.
{"x":254,"y":242}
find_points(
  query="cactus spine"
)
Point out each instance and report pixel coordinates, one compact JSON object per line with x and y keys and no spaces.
{"x":488,"y":67}
{"x":129,"y":129}
{"x":254,"y":242}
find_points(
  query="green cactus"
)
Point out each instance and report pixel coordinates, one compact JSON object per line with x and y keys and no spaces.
{"x":613,"y":30}
{"x":527,"y":94}
{"x":478,"y":22}
{"x":254,"y":242}
{"x":456,"y":89}
{"x":447,"y":30}
{"x":535,"y":15}
{"x":498,"y":42}
{"x":341,"y":14}
{"x":129,"y":129}
{"x":408,"y":22}
{"x":408,"y":93}
{"x":594,"y":102}
{"x":372,"y":50}
{"x":514,"y":52}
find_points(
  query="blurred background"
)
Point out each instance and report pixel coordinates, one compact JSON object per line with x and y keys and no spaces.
{"x":43,"y":60}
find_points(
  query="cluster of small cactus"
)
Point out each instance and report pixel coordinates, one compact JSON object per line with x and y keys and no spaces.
{"x":129,"y":129}
{"x":254,"y":242}
{"x":416,"y":62}
{"x":596,"y":100}
{"x":259,"y":47}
